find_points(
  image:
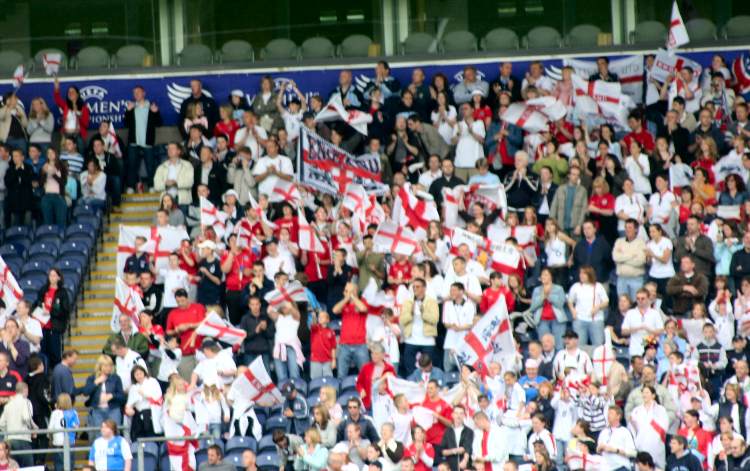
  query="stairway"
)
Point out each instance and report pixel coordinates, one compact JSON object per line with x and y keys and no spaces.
{"x":90,"y":329}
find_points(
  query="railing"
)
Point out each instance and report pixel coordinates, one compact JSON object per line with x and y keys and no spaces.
{"x":67,"y":449}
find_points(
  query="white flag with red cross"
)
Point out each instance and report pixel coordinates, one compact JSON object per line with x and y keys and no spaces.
{"x":111,"y":142}
{"x":526,"y":117}
{"x":393,"y":238}
{"x":602,"y":358}
{"x":181,"y":452}
{"x":583,"y":460}
{"x":293,"y":292}
{"x":490,"y":338}
{"x":19,"y":75}
{"x":10,"y":291}
{"x":51,"y":62}
{"x":336,"y":111}
{"x":160,"y":242}
{"x":414,"y":392}
{"x":549,"y":106}
{"x":453,"y":202}
{"x":285,"y":191}
{"x":678,"y":34}
{"x":668,"y":63}
{"x":473,"y":241}
{"x":220,"y":329}
{"x":308,"y":236}
{"x":260,"y":212}
{"x":127,"y":303}
{"x":255,"y":385}
{"x":211,"y":216}
{"x":416,"y":209}
{"x":492,"y":197}
{"x":505,"y":258}
{"x":602,"y":98}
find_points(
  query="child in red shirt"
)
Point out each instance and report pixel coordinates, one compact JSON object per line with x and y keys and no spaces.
{"x":494,"y":292}
{"x":322,"y":346}
{"x":400,"y":272}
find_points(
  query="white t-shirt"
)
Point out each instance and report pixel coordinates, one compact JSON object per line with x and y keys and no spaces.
{"x":468,"y":149}
{"x":661,"y":207}
{"x":634,"y":206}
{"x":555,"y":249}
{"x":124,"y":365}
{"x":444,"y":128}
{"x":470,"y":282}
{"x":245,"y":138}
{"x":417,"y":329}
{"x":208,"y":369}
{"x":282,"y":163}
{"x":659,"y":269}
{"x":634,"y":319}
{"x":462,"y":314}
{"x":278,"y":263}
{"x":167,"y":366}
{"x":292,"y":123}
{"x":33,"y":327}
{"x":585,"y":297}
{"x":639,"y":173}
{"x":173,"y":280}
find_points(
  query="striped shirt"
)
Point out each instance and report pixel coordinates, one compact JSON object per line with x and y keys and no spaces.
{"x":74,"y":161}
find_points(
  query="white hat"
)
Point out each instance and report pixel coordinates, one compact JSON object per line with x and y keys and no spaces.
{"x":238,"y":93}
{"x":477,"y":91}
{"x":227,"y":193}
{"x":340,"y":448}
{"x":207,"y":244}
{"x":531,"y":363}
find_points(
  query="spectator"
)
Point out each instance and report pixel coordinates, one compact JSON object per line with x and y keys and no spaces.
{"x":377,"y":368}
{"x":615,"y":443}
{"x":640,"y":322}
{"x":112,"y":167}
{"x":135,"y":341}
{"x":18,"y":182}
{"x":182,"y":321}
{"x":602,"y":71}
{"x":175,"y":176}
{"x":569,"y":205}
{"x":354,"y":416}
{"x":110,"y":452}
{"x":62,"y":375}
{"x":587,"y":301}
{"x":697,"y":246}
{"x":287,"y":351}
{"x":93,"y":186}
{"x":264,"y":106}
{"x":739,"y":267}
{"x":470,"y":83}
{"x":64,"y":416}
{"x":659,"y":253}
{"x":352,"y":349}
{"x":688,"y":287}
{"x":428,"y":140}
{"x":214,"y":461}
{"x":41,"y":124}
{"x":547,"y":304}
{"x":210,"y":109}
{"x":260,"y":333}
{"x":458,"y":318}
{"x":75,"y":114}
{"x":70,"y":155}
{"x":322,"y":346}
{"x":15,"y":347}
{"x":593,"y":250}
{"x":17,"y":415}
{"x":630,"y":256}
{"x":105,"y":396}
{"x":142,"y":117}
{"x":54,"y":302}
{"x":419,"y":319}
{"x":125,"y":360}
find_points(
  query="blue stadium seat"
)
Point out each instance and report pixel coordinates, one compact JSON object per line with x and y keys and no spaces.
{"x":268,"y":461}
{"x":234,"y":458}
{"x":79,"y":259}
{"x":150,"y":456}
{"x":313,"y":401}
{"x":94,"y":220}
{"x":48,"y":232}
{"x":266,"y":444}
{"x":18,"y":246}
{"x":317,"y":383}
{"x":241,"y":444}
{"x":345,"y":396}
{"x":452,"y":378}
{"x":299,"y":383}
{"x":32,"y":282}
{"x":349,"y":382}
{"x":70,"y":264}
{"x":47,"y":247}
{"x":35,"y":267}
{"x":18,"y":232}
{"x":335,"y":325}
{"x":81,"y":228}
{"x":74,"y":247}
{"x":88,"y":239}
{"x":276,"y":422}
{"x":42,"y":257}
{"x":14,"y":264}
{"x":30,"y":295}
{"x":83,"y":209}
{"x":262,"y":415}
{"x":72,"y":279}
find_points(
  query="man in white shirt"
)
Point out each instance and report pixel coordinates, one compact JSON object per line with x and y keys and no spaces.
{"x":174,"y":278}
{"x":216,"y":368}
{"x":662,"y":202}
{"x":470,"y":282}
{"x":458,"y":318}
{"x":125,"y":360}
{"x":251,"y":135}
{"x":470,"y":144}
{"x":572,"y":357}
{"x":539,"y":433}
{"x":640,"y":322}
{"x":30,"y":328}
{"x":616,"y":443}
{"x":535,"y":77}
{"x":275,"y":262}
{"x":489,"y":445}
{"x":683,"y":85}
{"x":272,"y":167}
{"x":432,"y":173}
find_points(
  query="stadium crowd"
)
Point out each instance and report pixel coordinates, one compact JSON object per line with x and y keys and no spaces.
{"x":630,"y":238}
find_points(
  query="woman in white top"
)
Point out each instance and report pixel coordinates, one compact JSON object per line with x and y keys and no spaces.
{"x":93,"y":184}
{"x":402,"y":420}
{"x":144,"y":404}
{"x":287,"y":349}
{"x":649,"y":423}
{"x":587,"y":301}
{"x":638,"y":168}
{"x":444,"y":118}
{"x":556,"y":248}
{"x":629,"y":205}
{"x":659,"y":255}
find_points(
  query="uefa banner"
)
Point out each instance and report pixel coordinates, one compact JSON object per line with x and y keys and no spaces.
{"x":107,"y":96}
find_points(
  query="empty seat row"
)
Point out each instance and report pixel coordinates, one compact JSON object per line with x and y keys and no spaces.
{"x":699,"y":30}
{"x":91,"y":57}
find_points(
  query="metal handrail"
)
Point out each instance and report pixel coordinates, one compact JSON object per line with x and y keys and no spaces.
{"x":141,"y":442}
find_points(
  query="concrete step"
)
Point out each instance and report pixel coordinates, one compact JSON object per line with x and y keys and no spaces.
{"x":95,"y":293}
{"x":98,"y":322}
{"x":135,"y":206}
{"x":133,"y":216}
{"x":93,"y":341}
{"x":110,"y":264}
{"x":103,"y":275}
{"x":141,"y":197}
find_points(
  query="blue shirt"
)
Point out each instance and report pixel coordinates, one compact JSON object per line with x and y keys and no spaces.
{"x":486,"y":179}
{"x":110,"y":455}
{"x":141,"y":122}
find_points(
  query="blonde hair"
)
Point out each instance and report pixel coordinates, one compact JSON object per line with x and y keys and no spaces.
{"x":64,"y":402}
{"x":45,"y":109}
{"x":101,"y":362}
{"x":330,"y":393}
{"x":602,"y":182}
{"x":211,"y":392}
{"x":313,"y":434}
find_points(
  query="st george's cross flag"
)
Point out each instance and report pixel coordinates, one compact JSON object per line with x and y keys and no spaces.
{"x":678,"y":34}
{"x":256,"y":386}
{"x":160,"y":242}
{"x":308,"y":237}
{"x":335,"y":111}
{"x":220,"y":329}
{"x":10,"y":291}
{"x":396,"y":239}
{"x":526,"y":117}
{"x":293,"y":292}
{"x":211,"y":216}
{"x":285,"y":191}
{"x":127,"y":303}
{"x":549,"y":106}
{"x":51,"y":62}
{"x":489,"y":339}
{"x":414,"y":208}
{"x":19,"y":75}
{"x":181,"y":452}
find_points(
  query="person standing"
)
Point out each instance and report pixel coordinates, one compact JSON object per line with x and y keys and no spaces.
{"x":182,"y":321}
{"x":615,"y":443}
{"x":352,"y":350}
{"x":141,"y":120}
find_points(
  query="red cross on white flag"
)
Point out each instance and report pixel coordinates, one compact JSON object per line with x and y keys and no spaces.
{"x":285,"y":191}
{"x":678,"y":35}
{"x":10,"y":292}
{"x":127,"y":302}
{"x":308,"y":237}
{"x":217,"y":328}
{"x":293,"y":292}
{"x":392,"y":238}
{"x":255,"y":384}
{"x":490,"y":338}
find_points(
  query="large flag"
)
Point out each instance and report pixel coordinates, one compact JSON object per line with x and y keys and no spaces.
{"x":10,"y":292}
{"x":629,"y":70}
{"x":51,"y":62}
{"x":335,"y":111}
{"x":308,"y":237}
{"x":600,"y":97}
{"x":602,"y":358}
{"x":526,"y":117}
{"x":259,"y":211}
{"x":453,"y":202}
{"x":493,"y":197}
{"x":255,"y":384}
{"x":211,"y":216}
{"x":505,"y":257}
{"x":678,"y":35}
{"x":416,"y":209}
{"x":414,"y":392}
{"x":293,"y":292}
{"x":285,"y":191}
{"x":393,"y":238}
{"x":550,"y":106}
{"x":490,"y":339}
{"x":219,"y":329}
{"x":181,"y":452}
{"x":667,"y":63}
{"x":462,"y":236}
{"x":127,"y":303}
{"x":161,"y":241}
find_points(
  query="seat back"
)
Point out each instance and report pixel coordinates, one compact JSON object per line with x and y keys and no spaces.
{"x":356,"y":45}
{"x":317,"y":48}
{"x":701,"y":29}
{"x":132,"y":55}
{"x":648,"y":32}
{"x":459,"y":41}
{"x":92,"y":57}
{"x":418,"y":43}
{"x":195,"y":54}
{"x":38,"y":61}
{"x":279,"y":49}
{"x":737,"y":27}
{"x":9,"y":60}
{"x":500,"y":39}
{"x":237,"y":50}
{"x":542,"y":37}
{"x":583,"y":36}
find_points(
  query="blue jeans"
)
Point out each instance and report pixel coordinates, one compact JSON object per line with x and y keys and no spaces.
{"x":348,"y":356}
{"x":287,"y":369}
{"x":22,"y":460}
{"x":409,"y":359}
{"x":557,"y":329}
{"x":54,"y":210}
{"x":114,"y":189}
{"x":133,"y":164}
{"x":318,"y":369}
{"x":589,"y":332}
{"x":629,"y":285}
{"x":97,"y":416}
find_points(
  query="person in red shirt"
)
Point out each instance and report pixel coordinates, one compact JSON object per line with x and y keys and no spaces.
{"x":602,"y":209}
{"x":377,"y":368}
{"x":352,"y":342}
{"x":697,"y":437}
{"x":287,"y":220}
{"x":400,"y":272}
{"x":638,"y":133}
{"x":562,"y":131}
{"x":182,"y":321}
{"x":322,"y":346}
{"x":227,"y":126}
{"x":237,"y":265}
{"x":420,"y":452}
{"x":442,"y":411}
{"x":494,"y":292}
{"x":188,"y":259}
